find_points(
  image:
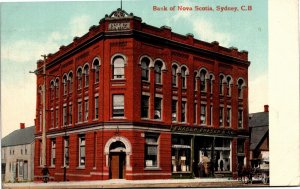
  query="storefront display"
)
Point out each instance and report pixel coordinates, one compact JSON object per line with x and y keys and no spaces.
{"x":181,"y":154}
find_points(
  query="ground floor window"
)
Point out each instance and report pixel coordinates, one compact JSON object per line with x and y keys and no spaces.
{"x":212,"y":156}
{"x":151,"y":150}
{"x":181,"y":153}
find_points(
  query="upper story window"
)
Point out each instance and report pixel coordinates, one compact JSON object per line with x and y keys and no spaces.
{"x":56,"y":87}
{"x":86,"y":110}
{"x":211,"y":81}
{"x":118,"y":105}
{"x":86,"y":75}
{"x":65,"y":82}
{"x":79,"y":78}
{"x":70,"y":79}
{"x":52,"y":89}
{"x":203,"y":80}
{"x":228,"y":119}
{"x":157,"y":107}
{"x":183,"y":111}
{"x":145,"y":106}
{"x":96,"y":69}
{"x":221,"y":84}
{"x":240,"y":88}
{"x":195,"y":81}
{"x":174,"y":75}
{"x":118,"y":68}
{"x":228,"y":85}
{"x":203,"y":114}
{"x":221,"y":115}
{"x":157,"y":69}
{"x":145,"y":69}
{"x":174,"y":110}
{"x":183,"y":77}
{"x":240,"y":118}
{"x":96,"y":107}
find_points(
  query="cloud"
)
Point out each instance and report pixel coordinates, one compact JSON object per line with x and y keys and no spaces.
{"x":258,"y":93}
{"x":202,"y":29}
{"x":80,"y":25}
{"x":30,"y":50}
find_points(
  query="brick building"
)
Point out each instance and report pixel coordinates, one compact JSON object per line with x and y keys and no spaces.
{"x":129,"y":100}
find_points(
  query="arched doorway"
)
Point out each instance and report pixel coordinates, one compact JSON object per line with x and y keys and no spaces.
{"x":117,"y":159}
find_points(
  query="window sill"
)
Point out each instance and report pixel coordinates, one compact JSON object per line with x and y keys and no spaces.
{"x":67,"y":167}
{"x":145,"y":118}
{"x":80,"y":167}
{"x":52,"y":167}
{"x":152,"y":168}
{"x":118,"y":118}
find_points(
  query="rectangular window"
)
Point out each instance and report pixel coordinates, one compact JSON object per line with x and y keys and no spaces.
{"x":96,"y":107}
{"x":86,"y":110}
{"x":157,"y":108}
{"x":53,"y":147}
{"x":174,"y":110}
{"x":70,"y":114}
{"x":81,"y":150}
{"x":52,"y":118}
{"x":240,"y":118}
{"x":183,"y":111}
{"x":56,"y":117}
{"x":79,"y":109}
{"x":195,"y":113}
{"x":65,"y":115}
{"x":221,"y":116}
{"x":151,"y":150}
{"x":41,"y":120}
{"x":228,"y":117}
{"x":66,"y":151}
{"x":118,"y":106}
{"x":211,"y":115}
{"x":203,"y":114}
{"x":145,"y":106}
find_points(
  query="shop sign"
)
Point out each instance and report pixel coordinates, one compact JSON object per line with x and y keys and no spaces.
{"x":203,"y":130}
{"x":118,"y":26}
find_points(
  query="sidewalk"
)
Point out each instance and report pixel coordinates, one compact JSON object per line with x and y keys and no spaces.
{"x":121,"y":183}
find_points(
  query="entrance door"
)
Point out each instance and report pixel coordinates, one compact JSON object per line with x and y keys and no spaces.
{"x":25,"y":170}
{"x":117,"y":165}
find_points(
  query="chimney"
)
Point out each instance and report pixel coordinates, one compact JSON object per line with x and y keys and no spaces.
{"x":22,"y":125}
{"x":266,"y":107}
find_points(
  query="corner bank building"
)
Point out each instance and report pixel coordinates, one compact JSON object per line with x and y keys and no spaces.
{"x":128,"y":100}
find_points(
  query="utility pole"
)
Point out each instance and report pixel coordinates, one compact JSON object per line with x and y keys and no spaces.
{"x":44,"y":113}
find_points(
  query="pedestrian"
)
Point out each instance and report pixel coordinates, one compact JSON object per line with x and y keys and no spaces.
{"x":45,"y":173}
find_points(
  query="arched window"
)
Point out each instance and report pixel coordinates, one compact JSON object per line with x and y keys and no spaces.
{"x":183,"y":77}
{"x":145,"y":69}
{"x":56,"y":87}
{"x":157,"y":69}
{"x":221,"y":84}
{"x":118,"y":67}
{"x":240,"y":88}
{"x":228,"y":80}
{"x":195,"y":81}
{"x":96,"y":68}
{"x":203,"y":80}
{"x":86,"y":75}
{"x":65,"y":82}
{"x":70,"y":79}
{"x":174,"y":75}
{"x":52,"y":88}
{"x":79,"y":78}
{"x":211,"y":78}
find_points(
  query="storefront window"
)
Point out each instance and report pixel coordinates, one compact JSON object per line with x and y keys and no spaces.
{"x":181,"y":154}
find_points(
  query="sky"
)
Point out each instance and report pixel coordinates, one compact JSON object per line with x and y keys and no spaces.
{"x":30,"y":29}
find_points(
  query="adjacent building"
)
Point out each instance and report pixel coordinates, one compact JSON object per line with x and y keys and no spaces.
{"x":17,"y":155}
{"x":133,"y":101}
{"x":259,"y":132}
